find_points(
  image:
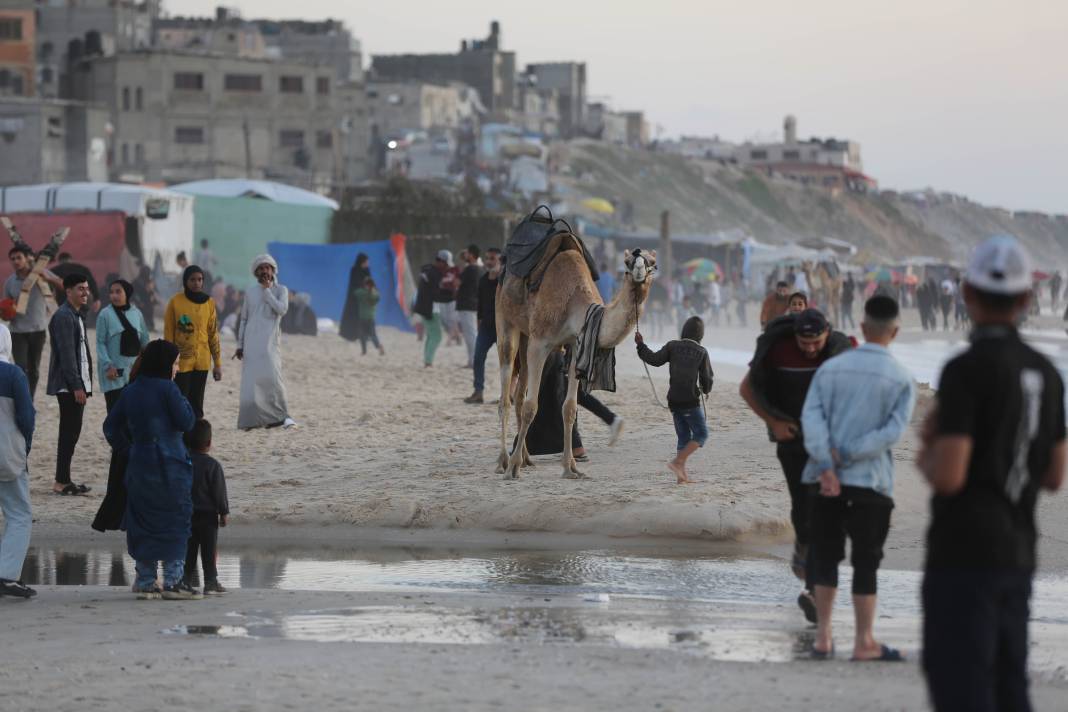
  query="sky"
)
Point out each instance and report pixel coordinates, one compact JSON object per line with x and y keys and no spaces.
{"x":966,"y":96}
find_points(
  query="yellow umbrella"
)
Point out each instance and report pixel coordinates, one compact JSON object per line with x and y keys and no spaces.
{"x":599,"y":205}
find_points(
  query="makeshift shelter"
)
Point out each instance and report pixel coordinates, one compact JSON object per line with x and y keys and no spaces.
{"x":157,"y":223}
{"x":323,"y":272}
{"x":239,"y":218}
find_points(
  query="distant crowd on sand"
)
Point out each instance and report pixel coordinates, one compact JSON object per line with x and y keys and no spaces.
{"x":164,"y":489}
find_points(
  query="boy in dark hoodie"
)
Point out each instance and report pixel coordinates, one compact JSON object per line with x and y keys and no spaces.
{"x":211,"y":508}
{"x":690,"y":377}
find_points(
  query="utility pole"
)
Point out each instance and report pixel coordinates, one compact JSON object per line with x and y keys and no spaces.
{"x":248,"y":149}
{"x":663,"y":257}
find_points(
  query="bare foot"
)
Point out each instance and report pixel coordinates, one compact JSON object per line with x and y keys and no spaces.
{"x":679,"y":471}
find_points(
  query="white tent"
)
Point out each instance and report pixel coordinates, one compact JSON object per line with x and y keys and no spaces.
{"x":267,"y":190}
{"x":165,"y":218}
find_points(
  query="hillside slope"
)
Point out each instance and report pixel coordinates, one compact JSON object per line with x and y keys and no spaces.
{"x":707,"y":197}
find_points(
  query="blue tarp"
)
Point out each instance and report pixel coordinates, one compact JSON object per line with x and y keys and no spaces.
{"x":323,"y":272}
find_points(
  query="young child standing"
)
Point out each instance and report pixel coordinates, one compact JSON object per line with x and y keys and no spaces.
{"x":690,"y":377}
{"x":368,"y":297}
{"x":211,"y":508}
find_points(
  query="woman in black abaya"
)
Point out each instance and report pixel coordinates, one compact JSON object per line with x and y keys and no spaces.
{"x":349,"y":328}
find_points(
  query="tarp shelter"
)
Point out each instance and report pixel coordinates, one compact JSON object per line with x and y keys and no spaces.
{"x":323,"y":272}
{"x":96,"y":239}
{"x":239,"y":218}
{"x":159,"y":222}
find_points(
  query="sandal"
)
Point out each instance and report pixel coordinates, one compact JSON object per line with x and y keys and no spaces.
{"x":886,"y":655}
{"x":72,"y":490}
{"x":823,"y":654}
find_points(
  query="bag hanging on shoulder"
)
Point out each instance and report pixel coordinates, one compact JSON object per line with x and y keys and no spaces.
{"x":129,"y":340}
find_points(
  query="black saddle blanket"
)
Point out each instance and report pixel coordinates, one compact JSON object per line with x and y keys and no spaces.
{"x":531,"y":238}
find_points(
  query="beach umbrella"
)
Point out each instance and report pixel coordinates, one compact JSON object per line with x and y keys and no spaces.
{"x":599,"y":205}
{"x":702,"y":269}
{"x":881,"y":274}
{"x":911,"y":280}
{"x":1040,"y":276}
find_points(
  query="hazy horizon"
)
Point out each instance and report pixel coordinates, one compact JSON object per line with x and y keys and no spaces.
{"x":965,"y":97}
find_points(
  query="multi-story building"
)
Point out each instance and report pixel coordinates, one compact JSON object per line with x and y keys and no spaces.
{"x":51,"y":141}
{"x":568,"y":81}
{"x":182,"y":116}
{"x":17,"y":50}
{"x":480,"y":64}
{"x":70,"y":30}
{"x":396,"y":107}
{"x":539,"y":109}
{"x":627,"y":128}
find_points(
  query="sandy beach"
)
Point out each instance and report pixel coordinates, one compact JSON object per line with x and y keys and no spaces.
{"x":388,"y":455}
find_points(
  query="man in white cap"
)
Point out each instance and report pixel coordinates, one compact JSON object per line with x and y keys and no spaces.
{"x":995,"y":438}
{"x":263,"y":393}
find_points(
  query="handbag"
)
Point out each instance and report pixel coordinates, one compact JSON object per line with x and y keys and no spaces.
{"x":129,"y":340}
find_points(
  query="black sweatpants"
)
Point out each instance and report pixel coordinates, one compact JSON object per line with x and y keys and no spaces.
{"x":590,"y":403}
{"x":975,"y":639}
{"x":793,"y":458}
{"x":70,"y":429}
{"x":204,"y":539}
{"x":192,"y":385}
{"x":26,"y":349}
{"x":863,"y":515}
{"x":368,"y":333}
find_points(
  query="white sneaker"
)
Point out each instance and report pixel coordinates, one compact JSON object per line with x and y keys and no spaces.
{"x":289,"y":423}
{"x":614,"y":431}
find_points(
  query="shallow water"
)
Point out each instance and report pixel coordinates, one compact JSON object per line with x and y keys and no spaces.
{"x":726,"y":607}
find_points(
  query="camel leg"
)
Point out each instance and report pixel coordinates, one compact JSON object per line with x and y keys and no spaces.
{"x":569,"y":412}
{"x":535,"y":363}
{"x":520,"y":397}
{"x":507,"y":345}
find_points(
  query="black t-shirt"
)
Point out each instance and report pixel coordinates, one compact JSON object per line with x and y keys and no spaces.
{"x":467,"y":294}
{"x":1010,"y":400}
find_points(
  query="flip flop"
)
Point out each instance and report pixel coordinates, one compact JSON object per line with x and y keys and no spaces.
{"x":72,"y":490}
{"x":822,"y":654}
{"x":886,"y":655}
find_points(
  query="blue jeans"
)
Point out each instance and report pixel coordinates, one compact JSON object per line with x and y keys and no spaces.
{"x":146,"y":573}
{"x":487,"y":337}
{"x":18,"y":520}
{"x":690,"y":426}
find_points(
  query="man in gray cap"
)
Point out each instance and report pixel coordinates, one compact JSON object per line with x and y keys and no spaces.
{"x":994,"y":439}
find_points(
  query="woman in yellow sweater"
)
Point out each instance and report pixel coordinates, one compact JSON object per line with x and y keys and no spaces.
{"x":191,"y":324}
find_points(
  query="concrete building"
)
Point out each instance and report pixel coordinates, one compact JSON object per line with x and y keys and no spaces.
{"x":568,"y":81}
{"x":183,"y":116}
{"x":51,"y":141}
{"x":626,"y":128}
{"x":481,"y":64}
{"x":539,"y":110}
{"x":225,"y":33}
{"x":70,"y":30}
{"x":396,"y":107}
{"x":823,"y":152}
{"x":18,"y":69}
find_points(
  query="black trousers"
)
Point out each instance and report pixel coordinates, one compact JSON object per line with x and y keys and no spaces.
{"x":113,"y":507}
{"x":975,"y":639}
{"x":205,"y":540}
{"x":70,"y":429}
{"x":368,"y":333}
{"x":793,"y":458}
{"x":861,"y":514}
{"x":192,"y":385}
{"x":590,"y":403}
{"x":26,"y":349}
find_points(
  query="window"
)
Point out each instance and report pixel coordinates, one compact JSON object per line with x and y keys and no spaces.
{"x":47,"y":76}
{"x":189,"y":81}
{"x":791,"y":155}
{"x":139,"y":99}
{"x":322,"y":85}
{"x":324,"y":139}
{"x":125,"y":155}
{"x":10,"y":29}
{"x":5,"y":78}
{"x":16,"y":85}
{"x":760,"y":155}
{"x":291,"y":138}
{"x":189,"y":134}
{"x":243,"y":82}
{"x":46,"y":50}
{"x":291,"y":85}
{"x":126,"y":99}
{"x":139,"y":154}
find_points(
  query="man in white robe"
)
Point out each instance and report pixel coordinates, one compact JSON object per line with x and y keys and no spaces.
{"x":263,"y":393}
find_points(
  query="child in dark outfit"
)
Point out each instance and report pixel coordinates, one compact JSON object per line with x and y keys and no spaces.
{"x":210,"y":508}
{"x":691,"y":376}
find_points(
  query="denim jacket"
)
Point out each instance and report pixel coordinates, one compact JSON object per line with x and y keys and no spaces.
{"x":859,"y":404}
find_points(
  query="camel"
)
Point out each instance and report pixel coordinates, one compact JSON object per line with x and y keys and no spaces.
{"x":530,"y":325}
{"x":826,"y":290}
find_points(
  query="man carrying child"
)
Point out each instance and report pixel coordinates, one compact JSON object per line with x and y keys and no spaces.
{"x":211,"y":508}
{"x":690,"y":378}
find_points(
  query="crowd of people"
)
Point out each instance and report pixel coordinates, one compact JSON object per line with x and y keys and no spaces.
{"x":163,"y":490}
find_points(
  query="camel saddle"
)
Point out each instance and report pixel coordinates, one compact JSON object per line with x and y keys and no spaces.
{"x":536,"y":241}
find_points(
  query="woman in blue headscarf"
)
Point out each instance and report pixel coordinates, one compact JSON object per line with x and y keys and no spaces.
{"x":148,"y":422}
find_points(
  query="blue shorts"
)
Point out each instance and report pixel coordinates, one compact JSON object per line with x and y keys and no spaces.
{"x":690,"y":426}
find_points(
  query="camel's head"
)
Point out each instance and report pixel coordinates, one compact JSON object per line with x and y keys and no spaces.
{"x":640,"y":265}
